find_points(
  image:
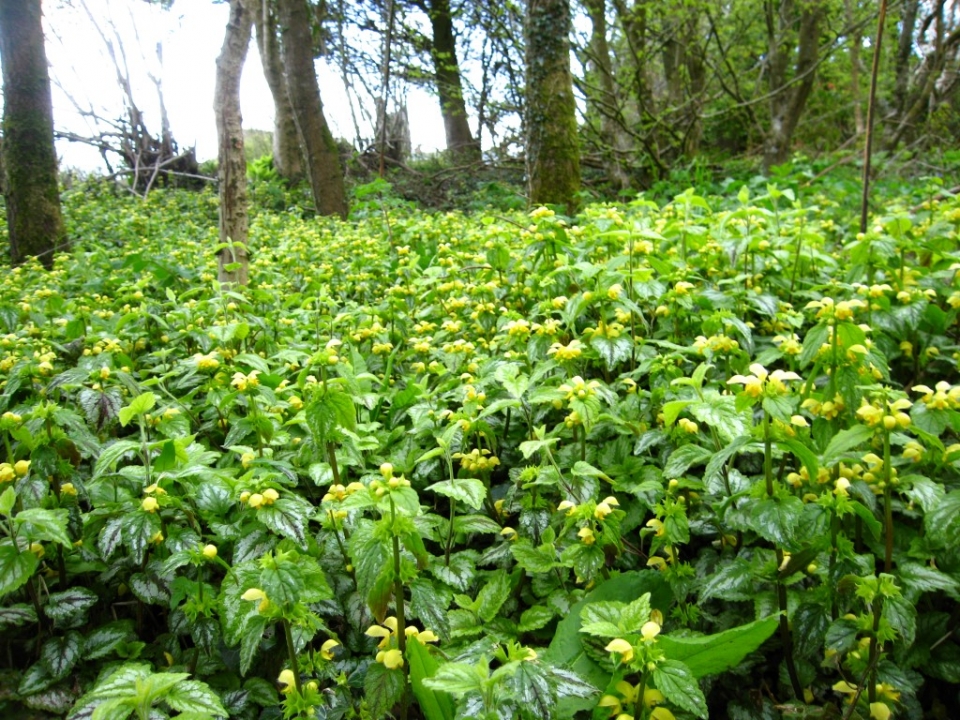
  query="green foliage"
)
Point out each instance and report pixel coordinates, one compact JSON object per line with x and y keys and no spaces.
{"x":662,"y":459}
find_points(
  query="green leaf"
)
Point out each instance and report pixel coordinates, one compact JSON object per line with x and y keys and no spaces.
{"x":612,"y":350}
{"x":382,"y":688}
{"x":286,"y":517}
{"x":671,"y":411}
{"x":111,"y":454}
{"x":776,"y":518}
{"x":803,"y":453}
{"x":534,"y":618}
{"x":47,"y":525}
{"x":869,"y":519}
{"x":534,"y":560}
{"x":493,"y":595}
{"x":458,"y":678}
{"x":845,"y":441}
{"x":15,"y":568}
{"x":466,"y":490}
{"x":683,"y":458}
{"x":680,"y":687}
{"x":434,"y":704}
{"x":194,"y":696}
{"x":585,"y":469}
{"x":717,"y":653}
{"x":430,"y":601}
{"x":327,"y":413}
{"x":106,"y":638}
{"x":60,"y":654}
{"x":138,"y":406}
{"x":16,"y":615}
{"x":7,"y":500}
{"x":942,"y":523}
{"x":476,"y":524}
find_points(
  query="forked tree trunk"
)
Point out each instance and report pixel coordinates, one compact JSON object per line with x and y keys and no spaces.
{"x":443,"y":50}
{"x":788,"y":96}
{"x":34,"y":221}
{"x":287,"y":159}
{"x":234,"y":261}
{"x":319,"y":148}
{"x":553,"y":151}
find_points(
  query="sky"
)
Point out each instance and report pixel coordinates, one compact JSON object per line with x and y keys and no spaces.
{"x":191,"y":34}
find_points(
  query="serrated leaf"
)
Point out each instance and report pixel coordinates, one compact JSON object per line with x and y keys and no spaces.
{"x":776,"y":518}
{"x":457,"y":678}
{"x":286,"y":517}
{"x":476,"y":524}
{"x":717,"y":653}
{"x":534,"y":618}
{"x":69,"y":604}
{"x":733,"y":581}
{"x":382,"y":689}
{"x":942,"y":523}
{"x":47,"y":525}
{"x":493,"y":595}
{"x":683,"y":458}
{"x":429,"y":602}
{"x":680,"y":687}
{"x":138,"y":406}
{"x":111,"y":454}
{"x":466,"y":490}
{"x":534,"y":559}
{"x":15,"y":568}
{"x":194,"y":696}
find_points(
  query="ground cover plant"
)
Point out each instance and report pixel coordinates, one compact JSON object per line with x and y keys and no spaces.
{"x":656,"y":460}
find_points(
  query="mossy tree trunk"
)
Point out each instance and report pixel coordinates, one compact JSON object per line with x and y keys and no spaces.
{"x":287,"y":158}
{"x":234,"y":261}
{"x":319,"y":148}
{"x":553,"y":151}
{"x":34,"y":220}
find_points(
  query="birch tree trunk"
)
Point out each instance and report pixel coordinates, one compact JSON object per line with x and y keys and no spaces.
{"x":34,"y":221}
{"x":319,"y":148}
{"x":234,"y":260}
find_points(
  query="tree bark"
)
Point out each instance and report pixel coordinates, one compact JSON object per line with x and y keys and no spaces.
{"x":319,"y":148}
{"x":234,"y":259}
{"x":788,"y":97}
{"x":287,"y":159}
{"x":34,"y":221}
{"x":443,"y":51}
{"x":552,"y":148}
{"x":615,"y":146}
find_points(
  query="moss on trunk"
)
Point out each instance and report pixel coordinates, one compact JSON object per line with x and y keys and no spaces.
{"x":34,"y":220}
{"x":553,"y":150}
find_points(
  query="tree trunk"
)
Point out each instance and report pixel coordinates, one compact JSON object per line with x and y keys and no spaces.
{"x":856,"y":41}
{"x":908,"y":24}
{"x":443,"y":50}
{"x":34,"y":222}
{"x":287,"y":159}
{"x":319,"y":148}
{"x":789,"y":97}
{"x":234,"y":260}
{"x":552,"y":152}
{"x":606,"y":98}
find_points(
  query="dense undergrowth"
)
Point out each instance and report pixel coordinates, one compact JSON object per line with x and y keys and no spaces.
{"x":658,"y":460}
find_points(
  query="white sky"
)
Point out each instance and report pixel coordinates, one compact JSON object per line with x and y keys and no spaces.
{"x":192,"y":34}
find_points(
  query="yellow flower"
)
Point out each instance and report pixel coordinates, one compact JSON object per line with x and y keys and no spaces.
{"x":22,"y":467}
{"x":68,"y":489}
{"x":586,"y":534}
{"x":255,"y":500}
{"x":326,"y":650}
{"x":6,"y":472}
{"x":288,"y":680}
{"x":254,"y":594}
{"x":270,"y":496}
{"x":571,"y":351}
{"x":622,"y":647}
{"x":649,"y":631}
{"x":688,"y":426}
{"x":150,"y":504}
{"x":880,"y":711}
{"x":378,"y":631}
{"x":392,"y":659}
{"x":602,"y":510}
{"x":209,"y":551}
{"x":661,"y":713}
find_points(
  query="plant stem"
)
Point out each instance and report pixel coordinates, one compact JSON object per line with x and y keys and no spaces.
{"x":292,"y":655}
{"x":785,"y":636}
{"x":887,"y":506}
{"x":398,"y":603}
